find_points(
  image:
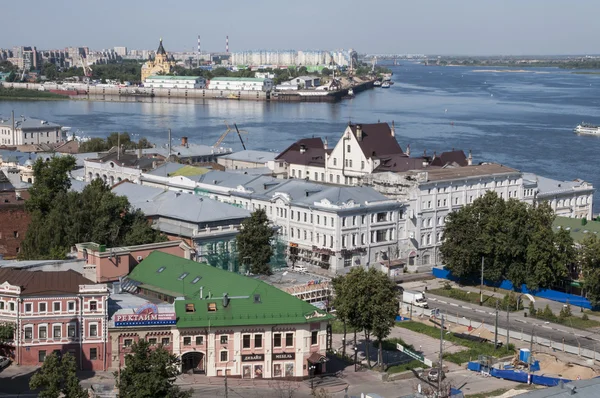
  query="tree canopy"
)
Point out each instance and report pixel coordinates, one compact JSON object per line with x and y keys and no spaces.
{"x":58,"y":377}
{"x":60,"y":218}
{"x":588,"y":258}
{"x":7,"y":331}
{"x":254,"y":243}
{"x":365,"y":300}
{"x":149,"y":373}
{"x":515,"y":239}
{"x":113,"y":140}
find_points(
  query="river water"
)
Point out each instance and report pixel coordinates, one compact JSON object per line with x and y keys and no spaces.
{"x":520,"y":119}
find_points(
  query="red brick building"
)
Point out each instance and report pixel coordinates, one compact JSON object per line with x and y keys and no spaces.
{"x":55,"y":311}
{"x":13,"y":218}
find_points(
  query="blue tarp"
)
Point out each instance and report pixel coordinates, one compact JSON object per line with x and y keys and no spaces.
{"x":513,"y":375}
{"x":547,"y":381}
{"x":549,"y":294}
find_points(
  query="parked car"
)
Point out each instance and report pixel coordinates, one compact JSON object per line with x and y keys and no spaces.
{"x":432,"y":375}
{"x":4,"y":362}
{"x":300,"y":268}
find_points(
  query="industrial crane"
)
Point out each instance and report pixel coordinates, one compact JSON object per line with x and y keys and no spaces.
{"x":222,"y":137}
{"x":87,"y":71}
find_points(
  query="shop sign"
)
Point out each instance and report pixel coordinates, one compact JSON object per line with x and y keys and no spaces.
{"x":253,"y":357}
{"x":283,"y":356}
{"x":146,"y":315}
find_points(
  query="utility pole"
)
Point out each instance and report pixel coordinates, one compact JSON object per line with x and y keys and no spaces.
{"x":481,"y":286}
{"x":226,"y":392}
{"x":169,"y":155}
{"x":530,"y":358}
{"x":507,"y":325}
{"x":496,"y":328}
{"x":441,"y":354}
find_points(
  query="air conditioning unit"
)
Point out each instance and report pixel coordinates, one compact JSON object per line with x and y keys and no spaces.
{"x":140,"y":258}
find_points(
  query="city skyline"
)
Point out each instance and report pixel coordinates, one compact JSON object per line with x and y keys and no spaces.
{"x":434,"y":27}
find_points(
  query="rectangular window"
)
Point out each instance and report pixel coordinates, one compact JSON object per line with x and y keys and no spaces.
{"x":56,"y":306}
{"x":152,"y":341}
{"x":348,"y":147}
{"x":224,"y":339}
{"x":94,"y":330}
{"x":331,"y":178}
{"x":127,"y":342}
{"x":350,"y":165}
{"x":28,"y":307}
{"x":93,"y":305}
{"x":71,"y":305}
{"x":246,"y":341}
{"x":28,"y":333}
{"x":187,"y":340}
{"x":56,"y":331}
{"x":335,"y":161}
{"x":289,"y":339}
{"x":316,"y":176}
{"x":277,"y":340}
{"x":43,"y":332}
{"x":165,"y":341}
{"x":41,"y":356}
{"x":199,"y":340}
{"x":223,"y":356}
{"x":71,"y":331}
{"x":337,"y":179}
{"x":42,"y":307}
{"x":362,"y":165}
{"x":258,"y":341}
{"x":93,"y":354}
{"x":314,"y":337}
{"x":323,"y":177}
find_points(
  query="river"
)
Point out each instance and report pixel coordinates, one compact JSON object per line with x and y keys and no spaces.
{"x":520,"y":119}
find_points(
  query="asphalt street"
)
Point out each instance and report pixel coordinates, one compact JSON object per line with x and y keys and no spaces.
{"x":518,"y":322}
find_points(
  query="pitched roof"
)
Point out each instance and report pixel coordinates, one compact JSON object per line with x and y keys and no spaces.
{"x":377,"y":140}
{"x":450,"y":157}
{"x":44,"y":282}
{"x":125,"y":160}
{"x":5,"y":184}
{"x":307,"y":151}
{"x":578,"y":231}
{"x":442,"y":174}
{"x":250,"y":155}
{"x":399,"y":163}
{"x":251,"y":301}
{"x":28,"y":123}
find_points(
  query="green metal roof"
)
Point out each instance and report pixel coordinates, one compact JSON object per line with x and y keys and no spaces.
{"x":237,"y":79}
{"x":577,"y":231}
{"x":173,"y":77}
{"x":251,"y":301}
{"x":188,"y":171}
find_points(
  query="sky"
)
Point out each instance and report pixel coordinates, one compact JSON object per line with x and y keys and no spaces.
{"x":465,"y":27}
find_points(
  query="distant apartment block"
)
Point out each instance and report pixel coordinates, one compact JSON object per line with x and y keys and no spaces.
{"x":29,"y":131}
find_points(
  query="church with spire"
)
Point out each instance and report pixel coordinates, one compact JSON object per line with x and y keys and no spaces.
{"x":160,"y":65}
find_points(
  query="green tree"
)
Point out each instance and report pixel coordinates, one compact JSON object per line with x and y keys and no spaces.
{"x":58,"y":377}
{"x":12,"y":76}
{"x":367,"y":301}
{"x":93,"y":145}
{"x":7,"y":331}
{"x":326,"y":71}
{"x":254,"y":242}
{"x":149,"y":373}
{"x":49,"y":70}
{"x":588,"y":259}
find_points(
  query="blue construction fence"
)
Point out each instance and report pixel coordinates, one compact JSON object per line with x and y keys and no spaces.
{"x":519,"y":376}
{"x":549,"y":294}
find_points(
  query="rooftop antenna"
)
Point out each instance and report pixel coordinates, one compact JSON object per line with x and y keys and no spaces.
{"x":227,"y":44}
{"x":199,"y":52}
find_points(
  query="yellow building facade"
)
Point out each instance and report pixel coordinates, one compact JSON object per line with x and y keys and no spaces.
{"x":160,"y":65}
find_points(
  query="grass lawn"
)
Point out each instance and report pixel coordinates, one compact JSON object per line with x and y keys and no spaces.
{"x":470,"y":297}
{"x":337,"y":327}
{"x":472,"y":349}
{"x":573,"y":321}
{"x":406,"y":366}
{"x":21,"y":93}
{"x":390,"y":344}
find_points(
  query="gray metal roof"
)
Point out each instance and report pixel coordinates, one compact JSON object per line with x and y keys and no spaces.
{"x":583,"y":389}
{"x":165,"y":169}
{"x":45,"y":265}
{"x":27,"y":123}
{"x":548,"y":186}
{"x":187,"y":151}
{"x":343,"y":195}
{"x":251,"y":156}
{"x":187,"y":207}
{"x":78,"y":186}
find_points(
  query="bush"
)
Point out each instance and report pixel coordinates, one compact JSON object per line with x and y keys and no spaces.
{"x":565,"y":311}
{"x":548,"y":314}
{"x":583,"y":221}
{"x":532,"y":311}
{"x":585,"y":317}
{"x":447,"y":285}
{"x":509,"y":301}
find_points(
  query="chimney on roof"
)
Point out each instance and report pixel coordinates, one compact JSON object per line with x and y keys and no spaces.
{"x":393,"y":129}
{"x":359,"y":134}
{"x":408,"y":150}
{"x":325,"y":144}
{"x":470,"y":159}
{"x":425,"y":160}
{"x":434,"y":154}
{"x":302,"y":148}
{"x":184,"y":141}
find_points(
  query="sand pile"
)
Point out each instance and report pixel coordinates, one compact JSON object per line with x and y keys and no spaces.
{"x":552,"y":366}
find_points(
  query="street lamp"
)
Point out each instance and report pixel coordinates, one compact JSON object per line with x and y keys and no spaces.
{"x":311,"y":370}
{"x":355,"y":356}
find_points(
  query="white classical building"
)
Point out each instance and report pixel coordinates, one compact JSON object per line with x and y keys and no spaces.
{"x":179,"y":82}
{"x":115,"y":167}
{"x":24,"y":131}
{"x":240,"y":84}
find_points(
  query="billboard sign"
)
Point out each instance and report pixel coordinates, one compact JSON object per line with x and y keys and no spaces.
{"x":146,"y":315}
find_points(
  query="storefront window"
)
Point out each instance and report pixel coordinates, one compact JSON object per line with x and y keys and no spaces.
{"x":258,"y":371}
{"x":289,"y":369}
{"x":277,"y":370}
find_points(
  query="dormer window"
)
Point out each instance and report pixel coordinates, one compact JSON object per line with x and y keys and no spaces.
{"x":257,"y":298}
{"x":112,"y":165}
{"x":190,"y":308}
{"x":212,"y":307}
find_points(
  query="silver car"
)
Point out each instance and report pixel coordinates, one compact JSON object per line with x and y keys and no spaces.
{"x":4,"y":362}
{"x":432,"y":375}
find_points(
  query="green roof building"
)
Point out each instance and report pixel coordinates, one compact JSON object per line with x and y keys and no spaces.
{"x":234,"y":323}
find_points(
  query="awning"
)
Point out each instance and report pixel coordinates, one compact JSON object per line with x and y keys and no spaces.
{"x":315,"y":358}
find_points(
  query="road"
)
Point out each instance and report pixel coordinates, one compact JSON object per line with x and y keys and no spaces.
{"x":518,"y":323}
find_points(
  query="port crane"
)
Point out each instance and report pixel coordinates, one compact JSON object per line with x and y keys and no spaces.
{"x":87,"y":71}
{"x":229,"y":129}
